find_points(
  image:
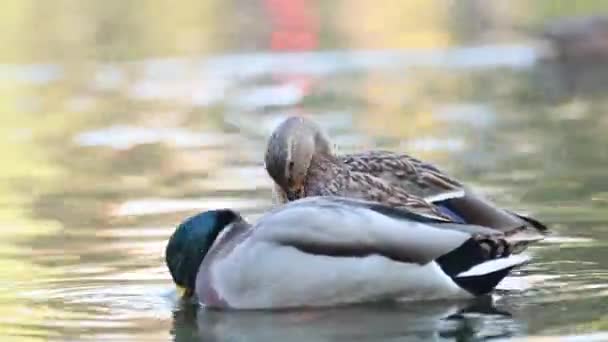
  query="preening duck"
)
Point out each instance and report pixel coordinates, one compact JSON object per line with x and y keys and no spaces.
{"x":300,"y":160}
{"x":323,"y":251}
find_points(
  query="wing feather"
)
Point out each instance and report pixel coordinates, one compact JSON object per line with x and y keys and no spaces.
{"x":401,"y":170}
{"x":338,"y":226}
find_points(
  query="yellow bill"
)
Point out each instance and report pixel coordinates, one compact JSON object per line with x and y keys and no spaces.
{"x":181,"y":291}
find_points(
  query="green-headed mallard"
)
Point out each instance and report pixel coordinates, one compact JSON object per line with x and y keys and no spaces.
{"x":300,"y":160}
{"x":323,"y":251}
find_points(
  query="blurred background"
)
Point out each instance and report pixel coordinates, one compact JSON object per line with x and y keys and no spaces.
{"x":120,"y":118}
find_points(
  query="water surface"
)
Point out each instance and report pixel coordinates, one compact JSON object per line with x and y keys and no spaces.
{"x":118,"y":122}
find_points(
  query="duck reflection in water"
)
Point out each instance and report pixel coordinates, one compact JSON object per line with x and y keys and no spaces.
{"x":467,"y":320}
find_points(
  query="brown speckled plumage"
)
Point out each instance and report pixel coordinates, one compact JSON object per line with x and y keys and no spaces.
{"x":329,"y":176}
{"x":394,"y":179}
{"x":398,"y":169}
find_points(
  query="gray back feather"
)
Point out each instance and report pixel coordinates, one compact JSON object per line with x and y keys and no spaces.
{"x":346,"y":227}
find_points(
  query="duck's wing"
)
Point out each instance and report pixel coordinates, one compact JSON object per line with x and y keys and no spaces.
{"x":448,"y":195}
{"x":331,"y":177}
{"x":372,"y":188}
{"x":412,"y":175}
{"x":340,"y":227}
{"x":474,"y":209}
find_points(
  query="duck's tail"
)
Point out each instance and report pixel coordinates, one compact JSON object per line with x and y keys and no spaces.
{"x":541,"y":227}
{"x":483,"y":278}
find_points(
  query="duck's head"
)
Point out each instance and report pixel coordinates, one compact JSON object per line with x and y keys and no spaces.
{"x":190,"y":243}
{"x":291,"y":148}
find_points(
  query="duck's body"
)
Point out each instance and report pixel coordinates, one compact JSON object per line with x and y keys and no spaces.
{"x":344,"y":176}
{"x":324,"y":251}
{"x":578,"y":38}
{"x":300,"y":169}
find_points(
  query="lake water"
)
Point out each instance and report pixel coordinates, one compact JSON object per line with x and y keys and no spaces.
{"x":118,"y":121}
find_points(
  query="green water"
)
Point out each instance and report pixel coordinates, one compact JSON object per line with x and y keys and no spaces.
{"x":119,"y":119}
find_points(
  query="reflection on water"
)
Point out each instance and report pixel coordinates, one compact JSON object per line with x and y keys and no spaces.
{"x":117,"y":121}
{"x":414,"y":322}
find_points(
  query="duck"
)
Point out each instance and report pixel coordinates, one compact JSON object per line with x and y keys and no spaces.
{"x":300,"y":160}
{"x":577,"y":39}
{"x":329,"y":251}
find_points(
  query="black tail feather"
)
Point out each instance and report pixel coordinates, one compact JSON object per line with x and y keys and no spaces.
{"x":482,"y":284}
{"x":472,"y":253}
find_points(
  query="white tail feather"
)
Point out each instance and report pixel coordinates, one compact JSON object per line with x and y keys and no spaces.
{"x":445,"y":196}
{"x":496,"y":265}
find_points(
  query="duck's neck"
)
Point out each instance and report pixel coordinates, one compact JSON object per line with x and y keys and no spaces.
{"x":225,"y":242}
{"x":232,"y":231}
{"x":323,"y":170}
{"x":324,"y":163}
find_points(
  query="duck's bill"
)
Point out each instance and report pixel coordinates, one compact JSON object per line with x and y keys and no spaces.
{"x":183,"y":292}
{"x":295,"y":194}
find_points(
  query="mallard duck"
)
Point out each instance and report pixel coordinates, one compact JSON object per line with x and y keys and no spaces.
{"x":300,"y":160}
{"x":323,"y":251}
{"x":578,"y":38}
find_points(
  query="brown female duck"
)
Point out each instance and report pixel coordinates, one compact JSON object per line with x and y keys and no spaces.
{"x":300,"y":160}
